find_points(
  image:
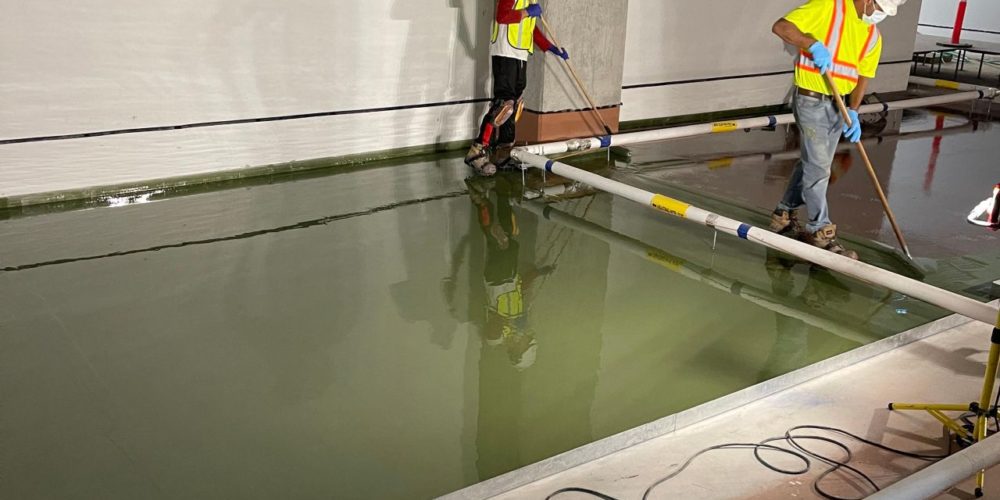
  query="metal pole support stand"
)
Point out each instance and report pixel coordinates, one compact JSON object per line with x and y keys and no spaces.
{"x":981,"y":409}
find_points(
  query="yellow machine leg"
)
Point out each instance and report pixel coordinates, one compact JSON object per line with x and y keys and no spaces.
{"x":981,"y":408}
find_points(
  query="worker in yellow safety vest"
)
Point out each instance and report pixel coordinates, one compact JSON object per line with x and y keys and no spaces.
{"x":513,"y":39}
{"x":839,"y":38}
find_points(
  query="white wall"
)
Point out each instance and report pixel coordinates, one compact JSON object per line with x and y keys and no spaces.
{"x":82,"y":67}
{"x":677,"y":41}
{"x":79,"y":67}
{"x":70,"y":68}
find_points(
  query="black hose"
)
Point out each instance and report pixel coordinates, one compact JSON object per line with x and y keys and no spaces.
{"x":796,"y":450}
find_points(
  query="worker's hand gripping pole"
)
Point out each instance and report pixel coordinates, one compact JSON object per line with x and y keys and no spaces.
{"x":868,"y":164}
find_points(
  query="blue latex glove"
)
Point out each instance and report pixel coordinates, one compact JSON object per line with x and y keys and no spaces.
{"x":559,"y":51}
{"x":853,"y":132}
{"x":534,"y":10}
{"x":822,"y":57}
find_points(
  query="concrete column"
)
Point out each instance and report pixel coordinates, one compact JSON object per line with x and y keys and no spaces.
{"x":594,"y":35}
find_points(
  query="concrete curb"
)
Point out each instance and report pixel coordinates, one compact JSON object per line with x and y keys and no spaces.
{"x":676,"y":422}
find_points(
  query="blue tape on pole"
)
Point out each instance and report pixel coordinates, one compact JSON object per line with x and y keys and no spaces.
{"x":548,"y":166}
{"x":605,"y":141}
{"x":743,"y":230}
{"x":772,"y":121}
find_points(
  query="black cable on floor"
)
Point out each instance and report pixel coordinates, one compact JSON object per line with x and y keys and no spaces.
{"x":756,"y":447}
{"x":836,"y":465}
{"x":597,"y":494}
{"x":798,"y":451}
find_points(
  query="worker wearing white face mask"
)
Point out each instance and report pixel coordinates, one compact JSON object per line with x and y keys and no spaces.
{"x":839,"y":38}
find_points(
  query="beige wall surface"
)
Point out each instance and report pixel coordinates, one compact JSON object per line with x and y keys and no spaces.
{"x":80,"y":68}
{"x":675,"y":46}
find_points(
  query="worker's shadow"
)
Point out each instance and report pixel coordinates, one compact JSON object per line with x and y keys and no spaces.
{"x":460,"y":31}
{"x":958,"y":361}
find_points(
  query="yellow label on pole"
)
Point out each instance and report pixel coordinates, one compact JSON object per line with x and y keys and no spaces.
{"x":667,"y":261}
{"x":720,"y":163}
{"x":670,"y":205}
{"x":946,"y":84}
{"x":723,"y":127}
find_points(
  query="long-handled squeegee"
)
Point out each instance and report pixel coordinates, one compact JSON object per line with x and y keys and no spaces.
{"x":871,"y":169}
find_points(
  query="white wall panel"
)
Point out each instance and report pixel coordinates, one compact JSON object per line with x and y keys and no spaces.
{"x":82,"y":67}
{"x":677,"y":41}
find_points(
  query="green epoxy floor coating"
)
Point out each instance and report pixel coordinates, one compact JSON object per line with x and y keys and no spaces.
{"x":332,"y":336}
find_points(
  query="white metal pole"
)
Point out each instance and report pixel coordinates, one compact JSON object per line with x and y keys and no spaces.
{"x":757,"y":158}
{"x":856,"y":269}
{"x":937,"y":477}
{"x":551,"y":148}
{"x":989,"y":92}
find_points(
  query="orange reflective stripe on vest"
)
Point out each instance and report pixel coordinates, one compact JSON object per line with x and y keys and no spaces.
{"x":834,"y":36}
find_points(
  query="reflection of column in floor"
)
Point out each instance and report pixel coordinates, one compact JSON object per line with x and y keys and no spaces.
{"x":270,"y":295}
{"x":538,"y":373}
{"x":416,"y":298}
{"x":506,"y":337}
{"x":276,"y":315}
{"x":465,"y":295}
{"x":791,"y":341}
{"x":935,"y":153}
{"x":821,"y":291}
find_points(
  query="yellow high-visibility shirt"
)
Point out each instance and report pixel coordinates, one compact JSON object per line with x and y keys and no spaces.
{"x":520,"y":36}
{"x":856,"y":45}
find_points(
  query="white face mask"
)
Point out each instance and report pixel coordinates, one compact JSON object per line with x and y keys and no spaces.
{"x":875,"y":18}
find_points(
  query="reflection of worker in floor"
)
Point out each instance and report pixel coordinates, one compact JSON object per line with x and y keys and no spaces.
{"x":506,"y":287}
{"x":536,"y":388}
{"x":514,"y":38}
{"x":839,"y":38}
{"x":791,"y":346}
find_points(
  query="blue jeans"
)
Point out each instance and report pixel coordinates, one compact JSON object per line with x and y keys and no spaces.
{"x":821,"y":126}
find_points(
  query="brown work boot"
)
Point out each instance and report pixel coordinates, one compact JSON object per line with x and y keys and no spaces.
{"x":479,"y":160}
{"x":501,"y":155}
{"x":826,"y":239}
{"x":785,"y":222}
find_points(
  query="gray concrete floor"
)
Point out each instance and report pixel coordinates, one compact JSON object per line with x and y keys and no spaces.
{"x":944,"y":368}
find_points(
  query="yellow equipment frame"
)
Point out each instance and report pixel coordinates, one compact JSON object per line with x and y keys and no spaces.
{"x":981,"y":408}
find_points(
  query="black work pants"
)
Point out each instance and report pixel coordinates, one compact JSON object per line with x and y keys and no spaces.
{"x":509,"y":80}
